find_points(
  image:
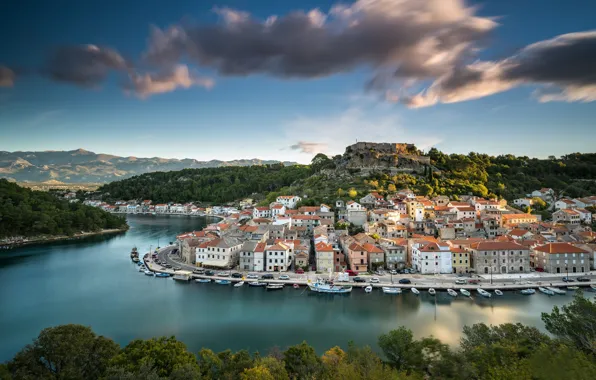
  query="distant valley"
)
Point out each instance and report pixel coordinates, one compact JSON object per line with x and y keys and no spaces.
{"x":82,"y":166}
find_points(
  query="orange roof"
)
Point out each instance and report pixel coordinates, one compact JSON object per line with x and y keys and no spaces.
{"x":323,"y":247}
{"x":356,"y":247}
{"x":278,"y":247}
{"x":261,"y":220}
{"x":518,"y":232}
{"x":260,"y":247}
{"x":559,"y":248}
{"x":518,"y":216}
{"x":309,"y":209}
{"x":306,"y":217}
{"x":497,"y":246}
{"x":371,"y":248}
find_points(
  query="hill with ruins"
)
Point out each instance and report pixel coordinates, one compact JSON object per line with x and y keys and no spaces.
{"x":394,"y":158}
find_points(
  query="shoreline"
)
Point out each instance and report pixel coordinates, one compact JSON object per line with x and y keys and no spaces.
{"x":51,"y":239}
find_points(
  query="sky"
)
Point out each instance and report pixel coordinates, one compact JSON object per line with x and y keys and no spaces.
{"x":287,"y":79}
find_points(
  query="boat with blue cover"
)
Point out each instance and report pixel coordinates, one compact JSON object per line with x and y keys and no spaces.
{"x":223,"y":282}
{"x":162,"y":274}
{"x":321,"y":287}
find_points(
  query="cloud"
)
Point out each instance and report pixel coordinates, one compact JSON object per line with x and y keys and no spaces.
{"x":309,"y":147}
{"x":83,"y":65}
{"x":7,"y":77}
{"x":563,"y":67}
{"x":410,"y":38}
{"x":144,"y":85}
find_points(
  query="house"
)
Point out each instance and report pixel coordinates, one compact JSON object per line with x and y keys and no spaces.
{"x":277,"y":258}
{"x":339,"y":260}
{"x":363,"y":238}
{"x":432,"y":257}
{"x":259,"y":257}
{"x":309,"y":210}
{"x":396,"y":256}
{"x":354,"y":206}
{"x":277,"y":209}
{"x":324,"y":257}
{"x":523,"y":202}
{"x":547,"y":194}
{"x":307,"y":221}
{"x":519,"y":234}
{"x":356,"y":213}
{"x":567,"y":216}
{"x":161,"y":208}
{"x":247,"y":255}
{"x":510,"y":220}
{"x":301,"y":256}
{"x":372,"y":199}
{"x":324,"y":208}
{"x":561,"y":258}
{"x":564,"y":203}
{"x":464,"y":212}
{"x":339,"y":204}
{"x":261,"y":212}
{"x":500,"y":257}
{"x":441,"y":200}
{"x":461,"y":261}
{"x":357,"y":258}
{"x":415,"y":210}
{"x":376,"y":256}
{"x":584,"y":215}
{"x":289,"y":201}
{"x":219,"y":253}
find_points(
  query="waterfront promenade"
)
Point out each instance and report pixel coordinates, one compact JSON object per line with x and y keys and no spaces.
{"x":420,"y":282}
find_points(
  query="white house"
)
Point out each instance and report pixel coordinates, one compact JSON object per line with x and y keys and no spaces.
{"x":161,"y":208}
{"x":277,"y":258}
{"x":584,"y":215}
{"x":567,"y":216}
{"x":132,"y":209}
{"x":324,"y":257}
{"x":354,"y":206}
{"x":277,"y":209}
{"x":432,"y":258}
{"x":523,"y":202}
{"x":259,"y":258}
{"x":289,"y":201}
{"x":564,"y":203}
{"x":325,"y":208}
{"x":261,"y":212}
{"x":545,"y":193}
{"x":219,"y":253}
{"x":464,"y":212}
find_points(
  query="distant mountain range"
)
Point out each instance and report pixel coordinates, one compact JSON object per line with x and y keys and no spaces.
{"x":82,"y":166}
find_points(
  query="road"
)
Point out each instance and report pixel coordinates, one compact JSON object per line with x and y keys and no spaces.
{"x":423,"y":281}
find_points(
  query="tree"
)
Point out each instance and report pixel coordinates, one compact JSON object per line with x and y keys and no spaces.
{"x":391,"y":188}
{"x":210,"y":364}
{"x":352,"y":193}
{"x":257,"y":373}
{"x":539,"y":203}
{"x":340,"y":192}
{"x":399,"y":348}
{"x":559,"y":361}
{"x":166,"y":354}
{"x":574,"y":323}
{"x":275,"y":366}
{"x":64,"y":352}
{"x":302,"y":361}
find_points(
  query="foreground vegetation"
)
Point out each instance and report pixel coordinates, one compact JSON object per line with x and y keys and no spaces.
{"x":508,"y":351}
{"x":214,"y":185}
{"x":27,"y":213}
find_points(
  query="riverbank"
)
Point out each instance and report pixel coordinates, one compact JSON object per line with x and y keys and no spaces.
{"x":13,"y":242}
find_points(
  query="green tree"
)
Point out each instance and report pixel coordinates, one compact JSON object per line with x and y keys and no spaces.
{"x":276,"y":367}
{"x":539,"y":203}
{"x":574,"y":323}
{"x":257,"y":373}
{"x":399,"y":348}
{"x":340,"y":192}
{"x":559,"y":361}
{"x":210,"y":364}
{"x":64,"y":352}
{"x":302,"y":361}
{"x":166,"y":354}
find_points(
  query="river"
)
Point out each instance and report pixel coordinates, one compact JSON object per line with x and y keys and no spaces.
{"x":93,"y":282}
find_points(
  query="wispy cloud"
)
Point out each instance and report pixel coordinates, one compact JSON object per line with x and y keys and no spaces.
{"x":309,"y":147}
{"x":44,"y":117}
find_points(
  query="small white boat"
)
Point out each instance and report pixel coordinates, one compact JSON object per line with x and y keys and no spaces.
{"x":239,"y":284}
{"x":223,"y":282}
{"x":321,"y":287}
{"x":296,"y":286}
{"x":465,"y":292}
{"x":528,"y":292}
{"x":452,"y":292}
{"x":257,"y":283}
{"x":389,"y":290}
{"x":484,"y":293}
{"x":498,"y":292}
{"x":368,"y":289}
{"x":202,"y":280}
{"x":556,"y":290}
{"x":593,"y":287}
{"x":275,"y":287}
{"x":432,"y":291}
{"x":415,"y":291}
{"x":149,"y":273}
{"x":546,"y":291}
{"x":572,"y":287}
{"x":142,"y":268}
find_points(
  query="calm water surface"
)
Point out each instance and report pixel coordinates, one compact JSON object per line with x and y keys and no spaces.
{"x":93,"y":282}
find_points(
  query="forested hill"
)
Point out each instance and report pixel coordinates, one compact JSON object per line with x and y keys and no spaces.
{"x":27,"y":213}
{"x":207,"y":185}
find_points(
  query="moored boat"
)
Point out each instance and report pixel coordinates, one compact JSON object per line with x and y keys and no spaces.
{"x":465,"y":292}
{"x":239,"y":284}
{"x":321,"y":287}
{"x":202,"y":280}
{"x":593,"y":287}
{"x":296,"y":286}
{"x":142,"y":268}
{"x":432,"y":291}
{"x":149,"y":273}
{"x":556,"y":290}
{"x":452,"y":292}
{"x":528,"y":292}
{"x":484,"y":293}
{"x":546,"y":291}
{"x":368,"y":289}
{"x":275,"y":286}
{"x":257,"y":283}
{"x":162,"y":274}
{"x":135,"y":259}
{"x":498,"y":292}
{"x":223,"y":282}
{"x":390,"y":290}
{"x":573,"y":287}
{"x":415,"y":291}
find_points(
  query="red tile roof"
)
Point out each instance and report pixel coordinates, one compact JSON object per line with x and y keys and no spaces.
{"x":559,"y":248}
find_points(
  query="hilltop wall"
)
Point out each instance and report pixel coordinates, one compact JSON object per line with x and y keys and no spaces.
{"x":396,"y":157}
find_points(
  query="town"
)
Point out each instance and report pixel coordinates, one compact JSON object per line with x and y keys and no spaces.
{"x":399,"y":233}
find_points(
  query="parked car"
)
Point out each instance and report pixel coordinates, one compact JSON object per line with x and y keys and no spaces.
{"x":393,"y":271}
{"x":374,"y":280}
{"x":406,"y":271}
{"x":568,"y":279}
{"x":252,"y":276}
{"x":198,"y":271}
{"x":267,"y":276}
{"x":461,"y":281}
{"x":583,"y":279}
{"x":299,"y":271}
{"x":359,"y":279}
{"x":351,"y":273}
{"x":223,"y":274}
{"x":379,"y":273}
{"x":177,"y":268}
{"x":405,"y":281}
{"x":474,"y":281}
{"x":209,"y":273}
{"x":237,"y":275}
{"x":168,"y":265}
{"x":284,"y":277}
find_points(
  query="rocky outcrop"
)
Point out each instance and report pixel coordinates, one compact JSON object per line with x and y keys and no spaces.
{"x":367,"y":157}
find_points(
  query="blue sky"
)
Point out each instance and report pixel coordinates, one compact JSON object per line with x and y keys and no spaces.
{"x":263,"y":113}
